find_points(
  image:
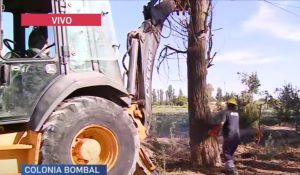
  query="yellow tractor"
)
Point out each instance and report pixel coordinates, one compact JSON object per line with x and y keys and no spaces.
{"x":67,"y":102}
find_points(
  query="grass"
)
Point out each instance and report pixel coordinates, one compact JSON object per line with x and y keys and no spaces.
{"x":165,"y":110}
{"x":169,"y":120}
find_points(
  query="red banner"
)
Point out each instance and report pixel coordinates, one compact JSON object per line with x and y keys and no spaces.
{"x":61,"y":20}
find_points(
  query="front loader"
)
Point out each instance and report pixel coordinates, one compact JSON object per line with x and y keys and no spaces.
{"x":73,"y":106}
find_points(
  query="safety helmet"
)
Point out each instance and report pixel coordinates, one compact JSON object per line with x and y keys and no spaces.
{"x":232,"y":101}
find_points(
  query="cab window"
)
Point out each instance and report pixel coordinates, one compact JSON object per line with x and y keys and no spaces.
{"x":26,"y":41}
{"x":8,"y":27}
{"x":90,"y":44}
{"x":49,"y":36}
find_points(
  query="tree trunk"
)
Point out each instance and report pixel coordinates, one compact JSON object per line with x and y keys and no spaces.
{"x":204,"y":149}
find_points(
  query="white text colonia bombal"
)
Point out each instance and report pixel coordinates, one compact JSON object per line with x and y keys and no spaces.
{"x":64,"y":170}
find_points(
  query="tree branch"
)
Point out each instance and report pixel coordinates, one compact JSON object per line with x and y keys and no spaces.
{"x":210,"y":57}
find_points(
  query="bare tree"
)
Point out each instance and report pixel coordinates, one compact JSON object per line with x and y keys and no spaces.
{"x":194,"y":30}
{"x":204,"y":151}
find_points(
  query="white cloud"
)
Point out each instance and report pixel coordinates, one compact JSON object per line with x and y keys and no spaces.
{"x":244,"y":58}
{"x":269,"y":19}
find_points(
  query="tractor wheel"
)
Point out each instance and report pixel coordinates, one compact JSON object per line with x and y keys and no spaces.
{"x":90,"y":130}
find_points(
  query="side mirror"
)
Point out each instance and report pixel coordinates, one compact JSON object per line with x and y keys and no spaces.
{"x":4,"y":74}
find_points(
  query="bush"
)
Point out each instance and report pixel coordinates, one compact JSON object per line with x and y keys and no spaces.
{"x":180,"y":101}
{"x":269,"y":121}
{"x":159,"y":156}
{"x":249,"y":115}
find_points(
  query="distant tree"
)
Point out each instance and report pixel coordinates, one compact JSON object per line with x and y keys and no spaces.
{"x":158,"y":96}
{"x":154,"y":97}
{"x":170,"y":95}
{"x":161,"y":96}
{"x":219,"y":95}
{"x":173,"y":96}
{"x":287,"y":103}
{"x":167,"y":98}
{"x":181,"y":100}
{"x":209,"y":91}
{"x":229,"y":95}
{"x":226,"y":96}
{"x":252,"y":84}
{"x":180,"y":93}
{"x":219,"y":98}
{"x":248,"y":110}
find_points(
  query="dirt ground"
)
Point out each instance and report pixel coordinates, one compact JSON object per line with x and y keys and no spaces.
{"x":277,"y":153}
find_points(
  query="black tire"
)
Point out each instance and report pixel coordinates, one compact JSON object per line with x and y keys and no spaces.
{"x":76,"y":113}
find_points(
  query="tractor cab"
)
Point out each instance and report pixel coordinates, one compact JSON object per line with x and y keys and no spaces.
{"x":35,"y":58}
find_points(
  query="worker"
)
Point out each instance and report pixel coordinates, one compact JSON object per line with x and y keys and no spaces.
{"x":231,"y":135}
{"x":37,"y":42}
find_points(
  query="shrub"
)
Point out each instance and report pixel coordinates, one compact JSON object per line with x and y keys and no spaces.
{"x":159,"y":156}
{"x":249,"y":115}
{"x":180,"y":101}
{"x":269,"y":121}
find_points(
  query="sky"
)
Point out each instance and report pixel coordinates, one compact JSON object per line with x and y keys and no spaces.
{"x":255,"y":37}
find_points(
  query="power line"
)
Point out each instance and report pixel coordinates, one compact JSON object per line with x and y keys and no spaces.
{"x":280,"y":7}
{"x":273,"y":3}
{"x":286,"y":5}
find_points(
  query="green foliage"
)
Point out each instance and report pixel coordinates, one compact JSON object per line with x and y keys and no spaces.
{"x":287,"y":104}
{"x":219,"y":98}
{"x":269,"y":121}
{"x":163,"y":110}
{"x":269,"y":146}
{"x":297,"y":121}
{"x":227,"y":96}
{"x":180,"y":92}
{"x":250,"y":81}
{"x":248,"y":110}
{"x":252,"y":84}
{"x":272,"y":149}
{"x":245,"y":98}
{"x":180,"y":101}
{"x":172,"y":129}
{"x":170,"y":95}
{"x":249,"y":115}
{"x":219,"y":106}
{"x":161,"y":96}
{"x":159,"y":156}
{"x":154,"y":97}
{"x":219,"y":95}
